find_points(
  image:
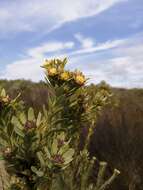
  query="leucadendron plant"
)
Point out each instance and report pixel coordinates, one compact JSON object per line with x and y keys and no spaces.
{"x":42,"y":151}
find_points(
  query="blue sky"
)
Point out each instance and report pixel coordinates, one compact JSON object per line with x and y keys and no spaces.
{"x":103,"y":38}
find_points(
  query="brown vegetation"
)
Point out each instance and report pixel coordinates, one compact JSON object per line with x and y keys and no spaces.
{"x":118,"y":138}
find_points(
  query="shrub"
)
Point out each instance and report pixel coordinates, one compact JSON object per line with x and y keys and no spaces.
{"x":41,"y":150}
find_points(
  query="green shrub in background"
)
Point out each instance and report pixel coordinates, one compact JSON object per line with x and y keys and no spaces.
{"x":41,"y":151}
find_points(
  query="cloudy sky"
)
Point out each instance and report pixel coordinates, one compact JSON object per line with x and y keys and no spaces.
{"x":103,"y":38}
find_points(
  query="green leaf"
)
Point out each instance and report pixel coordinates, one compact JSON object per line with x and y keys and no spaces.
{"x":16,"y":122}
{"x":19,"y":131}
{"x":69,"y":154}
{"x":3,"y":93}
{"x":34,"y":169}
{"x":41,"y":159}
{"x":47,"y":152}
{"x":67,"y":161}
{"x":64,"y":148}
{"x":3,"y":142}
{"x":22,"y":118}
{"x":38,"y":122}
{"x":31,"y":116}
{"x":54,"y":147}
{"x":1,"y":158}
{"x":40,"y":173}
{"x":61,"y":136}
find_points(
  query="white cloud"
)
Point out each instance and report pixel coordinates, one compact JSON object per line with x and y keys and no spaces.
{"x":24,"y":69}
{"x":49,"y":48}
{"x":85,"y":42}
{"x":121,"y":66}
{"x":21,"y":15}
{"x":29,"y":66}
{"x":99,"y":47}
{"x":126,"y":71}
{"x":119,"y":62}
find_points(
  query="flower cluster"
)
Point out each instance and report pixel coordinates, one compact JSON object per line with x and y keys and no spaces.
{"x":56,"y":68}
{"x":61,"y":154}
{"x":79,"y":77}
{"x":30,"y":125}
{"x":4,"y":99}
{"x":27,"y":121}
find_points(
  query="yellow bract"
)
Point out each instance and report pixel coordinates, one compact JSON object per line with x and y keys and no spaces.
{"x":57,"y":67}
{"x":52,"y":71}
{"x":46,"y":64}
{"x":65,"y":75}
{"x":80,"y":79}
{"x":6,"y":99}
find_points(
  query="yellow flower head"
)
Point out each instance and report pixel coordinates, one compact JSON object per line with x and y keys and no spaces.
{"x":46,"y":64}
{"x":57,"y":63}
{"x":65,"y":75}
{"x":6,"y":99}
{"x":52,"y":71}
{"x":79,"y":78}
